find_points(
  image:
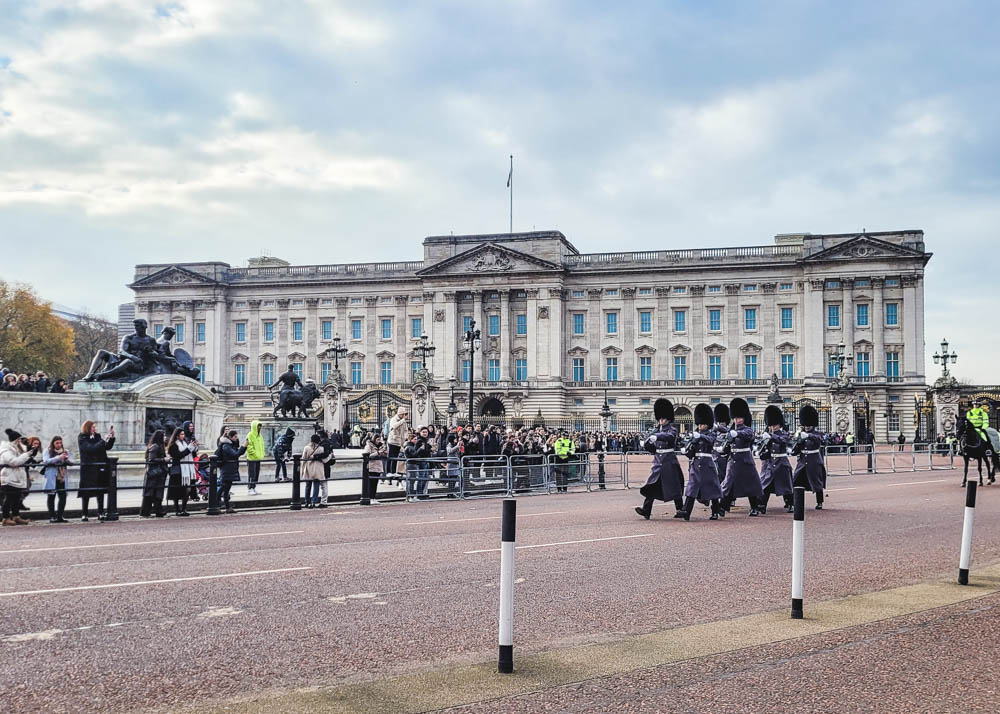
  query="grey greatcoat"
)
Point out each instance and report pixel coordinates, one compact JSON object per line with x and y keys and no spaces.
{"x":810,"y":471}
{"x":703,"y":480}
{"x":666,"y":480}
{"x":719,"y":455}
{"x":775,"y":471}
{"x":742,"y":480}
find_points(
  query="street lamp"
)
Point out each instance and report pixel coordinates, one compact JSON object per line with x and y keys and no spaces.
{"x":473,"y":341}
{"x":943,"y":358}
{"x":889,"y":410}
{"x":605,"y":412}
{"x":452,"y":407}
{"x":842,"y":360}
{"x":424,"y":350}
{"x":337,"y":351}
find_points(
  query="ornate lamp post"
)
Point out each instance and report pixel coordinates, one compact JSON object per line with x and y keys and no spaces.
{"x":452,"y":407}
{"x":605,"y":413}
{"x":889,"y":411}
{"x":842,"y":360}
{"x":473,"y":341}
{"x":943,"y":359}
{"x":337,"y":351}
{"x":424,"y":350}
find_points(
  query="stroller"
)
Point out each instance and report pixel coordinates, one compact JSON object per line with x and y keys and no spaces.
{"x":199,"y":489}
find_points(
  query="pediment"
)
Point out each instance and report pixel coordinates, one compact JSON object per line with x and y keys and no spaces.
{"x":296,"y":356}
{"x":173,"y":275}
{"x":786,"y":347}
{"x":355,"y":356}
{"x":645,"y":349}
{"x":385,"y":354}
{"x":751,"y":347}
{"x":864,"y":247}
{"x":239,"y":357}
{"x":863,"y":343}
{"x":268,"y":357}
{"x":490,"y":258}
{"x":715,"y":348}
{"x":578,"y":351}
{"x":680,"y":349}
{"x":611,"y":350}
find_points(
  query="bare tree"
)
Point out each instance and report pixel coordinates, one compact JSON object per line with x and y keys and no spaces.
{"x":90,"y":334}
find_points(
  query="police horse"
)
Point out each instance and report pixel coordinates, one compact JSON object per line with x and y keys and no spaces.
{"x":972,"y":445}
{"x":299,"y":403}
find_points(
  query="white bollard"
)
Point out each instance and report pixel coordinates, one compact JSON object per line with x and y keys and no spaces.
{"x":506,"y":661}
{"x":798,"y":549}
{"x":966,"y":555}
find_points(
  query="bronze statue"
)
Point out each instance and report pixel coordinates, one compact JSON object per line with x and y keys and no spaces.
{"x":139,"y":355}
{"x":178,"y":362}
{"x":294,"y":396}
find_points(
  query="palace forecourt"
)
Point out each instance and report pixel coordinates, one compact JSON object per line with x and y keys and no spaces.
{"x":560,"y":327}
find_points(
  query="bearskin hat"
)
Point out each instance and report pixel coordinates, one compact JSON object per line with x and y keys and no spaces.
{"x":663,"y":409}
{"x":773,"y":416}
{"x":808,"y":416}
{"x":722,"y":413}
{"x":703,"y":414}
{"x":739,"y":408}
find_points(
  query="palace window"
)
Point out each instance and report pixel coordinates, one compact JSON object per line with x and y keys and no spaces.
{"x":833,"y":315}
{"x":355,"y":329}
{"x":862,"y":310}
{"x":750,"y":366}
{"x":297,"y":330}
{"x":892,"y":314}
{"x":179,"y":332}
{"x":752,"y":288}
{"x":578,"y":293}
{"x":157,"y":329}
{"x":268,"y":331}
{"x":715,"y":320}
{"x":325,"y":370}
{"x":416,"y":327}
{"x":386,"y":323}
{"x":466,"y":323}
{"x":466,"y":370}
{"x":788,"y":366}
{"x":892,"y":282}
{"x":200,"y":366}
{"x":645,"y":321}
{"x":521,"y":369}
{"x":494,"y":325}
{"x":645,"y":368}
{"x":645,"y":291}
{"x":241,"y":375}
{"x":611,"y":368}
{"x":786,"y":318}
{"x":355,"y":373}
{"x":385,"y":372}
{"x":680,"y":368}
{"x":715,"y":367}
{"x":494,"y":370}
{"x":786,"y":286}
{"x":415,"y":366}
{"x":327,"y":329}
{"x":680,"y":290}
{"x":892,"y":364}
{"x":577,"y":323}
{"x":863,"y":362}
{"x":680,"y":320}
{"x":612,"y":322}
{"x":715,"y":288}
{"x":355,"y":301}
{"x":241,"y":332}
{"x":199,"y":332}
{"x":297,"y":368}
{"x":750,"y":318}
{"x":521,"y":325}
{"x":833,"y":283}
{"x":611,"y":292}
{"x":267,"y":371}
{"x":578,"y":370}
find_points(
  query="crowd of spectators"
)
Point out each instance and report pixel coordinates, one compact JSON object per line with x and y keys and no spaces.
{"x":37,"y":382}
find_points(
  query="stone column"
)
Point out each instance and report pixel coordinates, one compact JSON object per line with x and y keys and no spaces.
{"x":814,"y":327}
{"x":282,"y":344}
{"x":310,"y":370}
{"x":848,"y":318}
{"x":628,"y":328}
{"x":188,"y":307}
{"x":878,"y":328}
{"x":734,"y":333}
{"x":915,"y":313}
{"x":401,"y":368}
{"x":254,"y":369}
{"x":435,"y":334}
{"x":505,"y":336}
{"x":557,"y":335}
{"x":769,"y":323}
{"x":595,"y":333}
{"x":484,"y":330}
{"x":661,"y":362}
{"x":452,"y":336}
{"x":696,"y":368}
{"x":533,"y":363}
{"x":370,"y":340}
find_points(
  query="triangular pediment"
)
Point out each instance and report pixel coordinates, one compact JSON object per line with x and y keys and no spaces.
{"x":173,"y":275}
{"x":864,"y":247}
{"x":751,"y":347}
{"x":268,"y":357}
{"x":786,"y":347}
{"x":490,"y":258}
{"x":715,"y":348}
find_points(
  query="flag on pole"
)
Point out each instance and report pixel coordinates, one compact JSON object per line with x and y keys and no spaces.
{"x":510,"y":176}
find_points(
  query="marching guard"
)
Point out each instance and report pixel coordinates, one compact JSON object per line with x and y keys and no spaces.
{"x":666,"y":480}
{"x":775,"y":471}
{"x":703,"y":480}
{"x":742,"y":480}
{"x":810,"y":471}
{"x":721,"y":432}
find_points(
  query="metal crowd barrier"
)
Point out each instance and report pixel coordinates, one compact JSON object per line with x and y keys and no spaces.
{"x":887,"y":458}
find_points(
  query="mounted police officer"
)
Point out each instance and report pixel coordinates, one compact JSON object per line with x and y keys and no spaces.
{"x":979,"y":418}
{"x":703,"y":480}
{"x":666,"y":480}
{"x":810,"y":471}
{"x":775,"y":471}
{"x":742,"y":480}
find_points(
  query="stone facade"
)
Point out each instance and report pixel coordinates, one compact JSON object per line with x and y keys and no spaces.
{"x":559,"y":326}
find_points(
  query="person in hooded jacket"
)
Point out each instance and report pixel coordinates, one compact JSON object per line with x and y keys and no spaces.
{"x":742,"y":479}
{"x":810,"y":471}
{"x":703,"y":480}
{"x":775,"y":471}
{"x":255,"y":454}
{"x":15,"y":455}
{"x":282,"y":451}
{"x":666,"y":480}
{"x":229,"y":453}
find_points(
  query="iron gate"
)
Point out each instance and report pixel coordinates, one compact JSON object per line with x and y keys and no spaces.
{"x":791,"y":412}
{"x":372,"y":408}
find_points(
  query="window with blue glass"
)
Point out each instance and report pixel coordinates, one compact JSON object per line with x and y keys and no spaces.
{"x":466,"y":323}
{"x":680,"y":368}
{"x":415,"y":366}
{"x":611,"y":369}
{"x":327,"y":329}
{"x":269,"y":331}
{"x":892,"y":314}
{"x":355,"y":373}
{"x":325,"y":370}
{"x":493,"y":367}
{"x":522,"y":324}
{"x":578,"y":370}
{"x":863,"y":362}
{"x":750,"y":318}
{"x":892,"y":364}
{"x":750,"y":366}
{"x":520,"y":369}
{"x":645,"y":368}
{"x":466,"y":370}
{"x":715,"y":320}
{"x":297,"y":330}
{"x":241,"y":375}
{"x":612,"y":323}
{"x":179,"y":332}
{"x":680,"y":320}
{"x":386,"y":324}
{"x":268,"y":372}
{"x":715,"y":367}
{"x":862,"y":311}
{"x":577,"y":323}
{"x":199,"y":331}
{"x":416,"y":327}
{"x":385,"y":372}
{"x":157,"y":329}
{"x":494,"y":322}
{"x":241,"y":332}
{"x":645,"y":321}
{"x":297,"y":368}
{"x":833,"y":315}
{"x":355,"y":329}
{"x":788,"y":366}
{"x":786,"y":318}
{"x":201,"y":371}
{"x":831,"y":367}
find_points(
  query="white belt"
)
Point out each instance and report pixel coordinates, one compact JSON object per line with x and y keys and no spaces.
{"x":701,"y":454}
{"x":720,"y":449}
{"x":740,"y":451}
{"x":811,"y":451}
{"x":666,"y":451}
{"x":779,"y":456}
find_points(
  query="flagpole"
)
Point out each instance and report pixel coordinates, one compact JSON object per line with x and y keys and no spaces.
{"x":511,"y":183}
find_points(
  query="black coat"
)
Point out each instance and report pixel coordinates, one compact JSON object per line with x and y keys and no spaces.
{"x":229,"y":461}
{"x":93,"y":463}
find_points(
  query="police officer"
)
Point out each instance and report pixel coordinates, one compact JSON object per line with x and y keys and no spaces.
{"x":742,"y":479}
{"x":810,"y":471}
{"x":775,"y":471}
{"x":666,"y":480}
{"x":703,"y":480}
{"x":979,"y":418}
{"x":564,"y":448}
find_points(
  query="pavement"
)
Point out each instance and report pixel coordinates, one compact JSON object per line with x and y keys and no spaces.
{"x":393,"y":608}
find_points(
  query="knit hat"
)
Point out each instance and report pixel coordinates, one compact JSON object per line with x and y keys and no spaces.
{"x":12,"y":435}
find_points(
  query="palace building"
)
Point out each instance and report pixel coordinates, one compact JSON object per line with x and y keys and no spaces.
{"x":560,"y":327}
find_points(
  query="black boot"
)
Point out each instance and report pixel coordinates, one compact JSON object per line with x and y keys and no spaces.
{"x":144,"y":509}
{"x":688,"y":507}
{"x":753,"y":508}
{"x":819,"y":501}
{"x":646,"y":510}
{"x":762,"y":505}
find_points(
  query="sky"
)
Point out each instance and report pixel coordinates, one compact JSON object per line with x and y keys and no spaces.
{"x":323,"y":132}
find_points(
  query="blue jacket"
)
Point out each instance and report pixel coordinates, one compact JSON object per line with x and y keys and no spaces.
{"x":50,"y":469}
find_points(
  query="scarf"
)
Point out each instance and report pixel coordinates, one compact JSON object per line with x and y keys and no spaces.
{"x":60,"y":470}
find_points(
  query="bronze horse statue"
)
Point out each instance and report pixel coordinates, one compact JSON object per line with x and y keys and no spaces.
{"x":299,"y":403}
{"x":972,"y":445}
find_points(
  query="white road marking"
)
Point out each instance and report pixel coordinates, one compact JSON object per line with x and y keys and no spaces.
{"x":484,"y":518}
{"x":219,"y":612}
{"x":565,"y":542}
{"x":29,"y":636}
{"x":148,"y":542}
{"x":915,"y":483}
{"x":830,"y":490}
{"x":149,"y":582}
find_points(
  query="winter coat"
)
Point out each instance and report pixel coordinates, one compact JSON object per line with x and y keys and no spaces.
{"x":283,"y":446}
{"x":703,"y":480}
{"x":255,"y":443}
{"x":12,"y":463}
{"x":229,"y":461}
{"x":93,"y":463}
{"x":775,"y":471}
{"x":156,"y":466}
{"x":397,"y":431}
{"x":810,"y":472}
{"x":742,"y":479}
{"x":375,"y":456}
{"x":311,"y":470}
{"x":50,"y":470}
{"x":666,"y":480}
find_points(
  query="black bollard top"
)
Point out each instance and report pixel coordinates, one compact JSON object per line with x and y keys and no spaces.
{"x":970,"y":494}
{"x":799,"y":501}
{"x":509,"y":517}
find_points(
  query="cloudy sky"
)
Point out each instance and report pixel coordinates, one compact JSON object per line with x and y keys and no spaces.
{"x":340,"y":132}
